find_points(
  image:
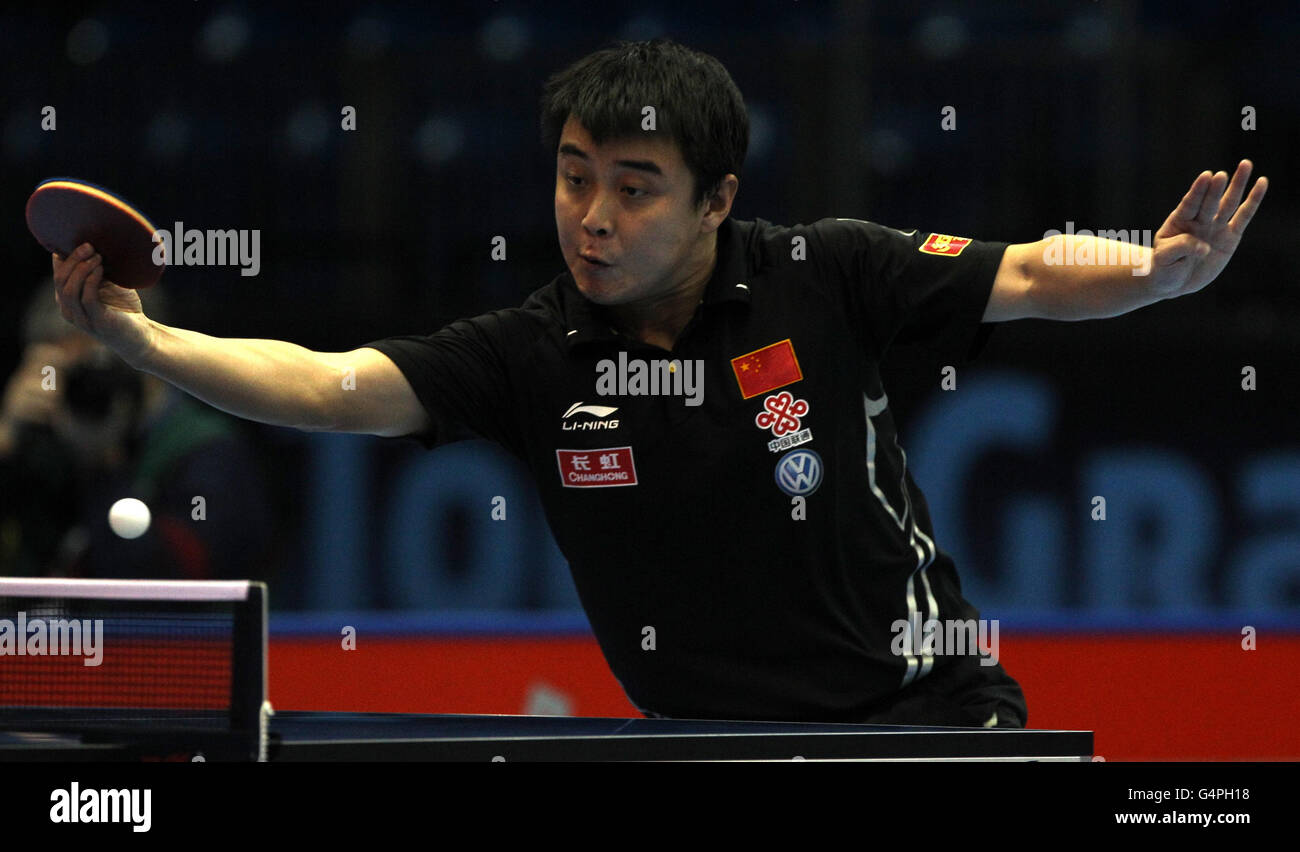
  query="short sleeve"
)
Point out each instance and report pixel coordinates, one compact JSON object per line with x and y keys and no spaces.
{"x":909,"y":286}
{"x":461,"y":375}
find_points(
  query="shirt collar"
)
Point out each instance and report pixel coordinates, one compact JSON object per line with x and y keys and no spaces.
{"x":586,"y":322}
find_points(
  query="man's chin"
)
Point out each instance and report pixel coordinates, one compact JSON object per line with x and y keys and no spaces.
{"x":600,"y":292}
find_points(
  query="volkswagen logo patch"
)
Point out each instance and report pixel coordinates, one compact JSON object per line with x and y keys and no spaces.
{"x":799,"y":472}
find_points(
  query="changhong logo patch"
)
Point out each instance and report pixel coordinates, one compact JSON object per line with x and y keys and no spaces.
{"x":603,"y":468}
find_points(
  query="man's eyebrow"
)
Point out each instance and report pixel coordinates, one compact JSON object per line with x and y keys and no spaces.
{"x":649,"y":166}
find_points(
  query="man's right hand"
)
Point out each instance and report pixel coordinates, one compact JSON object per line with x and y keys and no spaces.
{"x":111,"y":314}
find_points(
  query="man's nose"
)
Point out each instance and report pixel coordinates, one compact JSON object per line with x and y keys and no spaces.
{"x":598,"y":219}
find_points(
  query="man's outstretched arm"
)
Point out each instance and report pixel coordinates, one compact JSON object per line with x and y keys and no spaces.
{"x":269,"y":381}
{"x":1073,"y":277}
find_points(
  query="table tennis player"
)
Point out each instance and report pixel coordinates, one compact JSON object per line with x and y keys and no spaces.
{"x":699,"y":402}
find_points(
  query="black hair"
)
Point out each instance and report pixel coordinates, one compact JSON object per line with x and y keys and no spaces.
{"x":696,"y":102}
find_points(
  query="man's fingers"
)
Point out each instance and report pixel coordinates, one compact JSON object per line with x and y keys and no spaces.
{"x":1213,"y":195}
{"x":1246,"y":211}
{"x":62,"y":269}
{"x":1191,"y":202}
{"x":90,"y":290}
{"x":1236,"y":189}
{"x":73,"y":291}
{"x":1213,"y":198}
{"x":64,"y":266}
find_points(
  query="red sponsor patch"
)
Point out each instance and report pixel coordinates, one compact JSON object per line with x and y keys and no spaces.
{"x":781,"y":413}
{"x":603,"y":468}
{"x":945,"y":244}
{"x":767,"y":369}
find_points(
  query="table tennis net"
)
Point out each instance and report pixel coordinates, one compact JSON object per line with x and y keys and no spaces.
{"x":130,"y":655}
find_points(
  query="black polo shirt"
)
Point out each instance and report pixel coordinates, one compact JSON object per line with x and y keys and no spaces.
{"x":746,"y":557}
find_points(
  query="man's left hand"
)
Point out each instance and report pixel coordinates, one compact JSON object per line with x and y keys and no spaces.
{"x":1198,"y":239}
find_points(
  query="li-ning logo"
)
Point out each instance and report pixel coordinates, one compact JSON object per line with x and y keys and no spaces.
{"x":599,"y":411}
{"x":799,"y":472}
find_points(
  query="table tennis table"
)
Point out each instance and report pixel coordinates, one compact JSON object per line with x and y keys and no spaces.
{"x":316,"y":736}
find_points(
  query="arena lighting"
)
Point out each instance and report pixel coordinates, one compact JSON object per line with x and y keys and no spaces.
{"x":87,"y":41}
{"x":223,"y":38}
{"x":504,"y":38}
{"x":439,"y":139}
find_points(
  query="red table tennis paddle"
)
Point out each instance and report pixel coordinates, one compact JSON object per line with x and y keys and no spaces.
{"x":63,"y":213}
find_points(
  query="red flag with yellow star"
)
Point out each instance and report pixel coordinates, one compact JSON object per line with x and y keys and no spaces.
{"x":945,"y":244}
{"x":766,"y":369}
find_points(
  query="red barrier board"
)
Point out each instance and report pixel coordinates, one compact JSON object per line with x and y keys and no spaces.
{"x":1165,"y":697}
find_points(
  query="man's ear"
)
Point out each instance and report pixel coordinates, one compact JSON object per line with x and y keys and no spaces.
{"x":716,"y":206}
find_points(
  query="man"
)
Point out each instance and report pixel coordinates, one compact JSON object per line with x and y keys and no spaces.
{"x":699,"y":402}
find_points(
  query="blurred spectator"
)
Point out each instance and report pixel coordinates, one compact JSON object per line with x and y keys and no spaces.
{"x":79,"y":430}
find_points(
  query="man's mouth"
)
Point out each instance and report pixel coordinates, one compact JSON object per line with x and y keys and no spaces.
{"x":593,"y":261}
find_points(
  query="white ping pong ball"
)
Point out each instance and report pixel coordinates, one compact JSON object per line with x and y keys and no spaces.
{"x":129,"y":517}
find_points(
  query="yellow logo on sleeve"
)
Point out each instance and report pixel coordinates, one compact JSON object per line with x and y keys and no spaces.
{"x":945,"y":244}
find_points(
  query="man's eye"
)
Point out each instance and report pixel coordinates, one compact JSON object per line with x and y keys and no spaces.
{"x":573,"y":179}
{"x":632,"y":189}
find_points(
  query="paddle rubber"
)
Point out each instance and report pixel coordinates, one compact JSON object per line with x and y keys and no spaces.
{"x":63,"y":213}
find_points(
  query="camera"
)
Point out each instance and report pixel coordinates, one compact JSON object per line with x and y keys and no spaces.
{"x":92,"y":385}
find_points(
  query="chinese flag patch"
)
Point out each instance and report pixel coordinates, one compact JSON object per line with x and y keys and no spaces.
{"x":945,"y":244}
{"x":766,"y":369}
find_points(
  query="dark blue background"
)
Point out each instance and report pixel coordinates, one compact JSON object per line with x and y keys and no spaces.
{"x":1100,"y":114}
